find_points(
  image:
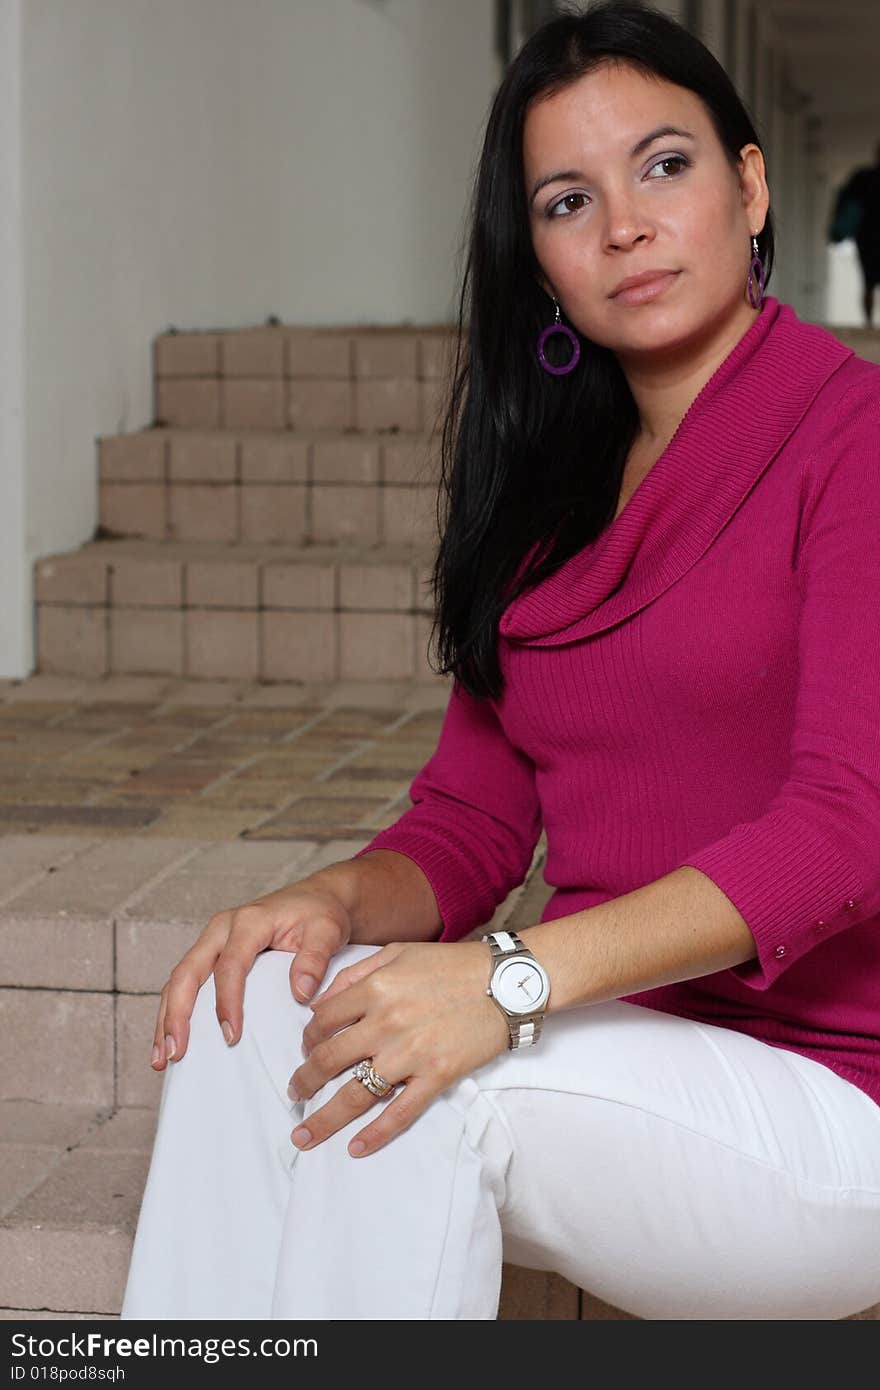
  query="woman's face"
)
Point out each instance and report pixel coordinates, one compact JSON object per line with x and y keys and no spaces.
{"x":676,"y":204}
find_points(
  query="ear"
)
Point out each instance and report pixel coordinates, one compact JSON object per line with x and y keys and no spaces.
{"x":753,"y":180}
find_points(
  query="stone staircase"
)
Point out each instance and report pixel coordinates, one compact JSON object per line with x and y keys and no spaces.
{"x":279,"y":518}
{"x":232,"y":690}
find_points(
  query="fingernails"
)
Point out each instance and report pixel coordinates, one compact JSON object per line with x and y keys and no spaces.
{"x":169,"y":1046}
{"x":301,"y":1137}
{"x":157,"y":1053}
{"x":227,"y":1031}
{"x":305,"y":986}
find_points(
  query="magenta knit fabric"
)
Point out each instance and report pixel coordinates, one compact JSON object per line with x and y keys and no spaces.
{"x":701,"y":685}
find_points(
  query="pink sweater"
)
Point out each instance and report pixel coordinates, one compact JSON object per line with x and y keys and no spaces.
{"x":701,"y":685}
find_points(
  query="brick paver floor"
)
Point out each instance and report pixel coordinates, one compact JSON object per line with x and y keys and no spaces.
{"x":225,"y":760}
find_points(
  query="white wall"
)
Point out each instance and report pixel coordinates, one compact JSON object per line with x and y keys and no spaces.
{"x":15,"y":607}
{"x":207,"y":163}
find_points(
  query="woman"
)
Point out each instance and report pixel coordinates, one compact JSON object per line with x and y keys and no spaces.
{"x":679,"y":692}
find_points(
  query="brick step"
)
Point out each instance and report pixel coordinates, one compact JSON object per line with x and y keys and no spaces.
{"x":92,"y":929}
{"x":73,"y":1178}
{"x":285,"y":377}
{"x":93,"y":938}
{"x":270,"y":486}
{"x":138,"y":812}
{"x":865,"y":342}
{"x":247,"y":612}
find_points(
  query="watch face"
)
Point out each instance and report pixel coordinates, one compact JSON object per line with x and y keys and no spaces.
{"x":519,"y":985}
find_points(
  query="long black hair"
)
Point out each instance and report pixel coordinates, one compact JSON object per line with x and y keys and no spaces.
{"x":528,"y":459}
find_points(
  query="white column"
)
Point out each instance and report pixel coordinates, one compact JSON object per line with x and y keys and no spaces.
{"x":674,"y":8}
{"x":764,"y":74}
{"x":799,"y":190}
{"x":712,"y":30}
{"x":741,"y":58}
{"x":16,"y":628}
{"x":817,"y":201}
{"x":773,"y":128}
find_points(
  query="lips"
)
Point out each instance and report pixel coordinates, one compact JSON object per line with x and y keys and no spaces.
{"x":645,"y":278}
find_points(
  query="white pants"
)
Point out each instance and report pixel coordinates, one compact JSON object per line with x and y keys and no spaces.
{"x":675,"y":1169}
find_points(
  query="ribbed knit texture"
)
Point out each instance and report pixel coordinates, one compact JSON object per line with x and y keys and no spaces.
{"x":701,"y":685}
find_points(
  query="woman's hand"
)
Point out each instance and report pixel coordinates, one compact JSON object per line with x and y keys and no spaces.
{"x":304,"y":917}
{"x":421,"y":1012}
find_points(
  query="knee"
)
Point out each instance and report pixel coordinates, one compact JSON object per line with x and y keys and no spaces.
{"x":349,"y":955}
{"x":267,"y":983}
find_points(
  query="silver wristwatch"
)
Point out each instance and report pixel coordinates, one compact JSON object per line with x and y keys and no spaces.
{"x":520,"y":986}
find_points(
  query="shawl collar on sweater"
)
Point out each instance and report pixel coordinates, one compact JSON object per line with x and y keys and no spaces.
{"x":731,"y":432}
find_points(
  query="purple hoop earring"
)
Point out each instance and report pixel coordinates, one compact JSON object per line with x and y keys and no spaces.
{"x":756,"y":265}
{"x":558,"y":327}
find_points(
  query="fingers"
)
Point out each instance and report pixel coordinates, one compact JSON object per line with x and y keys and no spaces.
{"x":393,"y":1118}
{"x":171,"y":1034}
{"x":309,"y":920}
{"x":350,"y":1101}
{"x":250,"y":933}
{"x":353,"y":1100}
{"x":159,"y":1049}
{"x":320,"y":941}
{"x":351,"y":974}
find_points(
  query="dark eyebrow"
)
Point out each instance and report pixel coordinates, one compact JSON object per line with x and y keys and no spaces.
{"x":637,"y":148}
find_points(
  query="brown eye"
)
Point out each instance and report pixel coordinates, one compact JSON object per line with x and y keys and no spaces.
{"x":551,"y":212}
{"x":671,"y":159}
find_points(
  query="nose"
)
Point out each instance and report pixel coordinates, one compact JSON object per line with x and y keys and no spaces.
{"x":625,"y":235}
{"x":625,"y":224}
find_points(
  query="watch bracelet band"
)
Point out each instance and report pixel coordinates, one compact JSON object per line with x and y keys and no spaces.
{"x":526,"y":1030}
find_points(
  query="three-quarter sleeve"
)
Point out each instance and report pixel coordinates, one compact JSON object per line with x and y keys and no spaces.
{"x":809,"y":867}
{"x":475,"y":818}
